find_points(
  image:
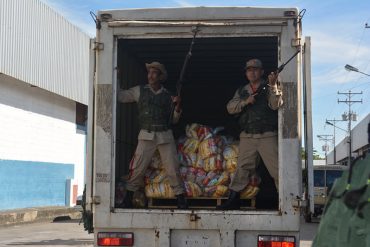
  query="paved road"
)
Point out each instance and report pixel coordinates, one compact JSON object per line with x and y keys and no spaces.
{"x":69,"y":233}
{"x":61,"y":234}
{"x":308,"y":232}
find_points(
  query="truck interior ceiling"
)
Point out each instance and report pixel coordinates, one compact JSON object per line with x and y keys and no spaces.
{"x":215,"y":71}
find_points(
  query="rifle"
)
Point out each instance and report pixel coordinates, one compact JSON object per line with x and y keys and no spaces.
{"x":195,"y":30}
{"x":281,"y":67}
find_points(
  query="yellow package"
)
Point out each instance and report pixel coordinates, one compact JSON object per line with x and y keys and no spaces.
{"x":199,"y":163}
{"x":192,"y":189}
{"x":191,"y":146}
{"x":224,"y":179}
{"x":192,"y":130}
{"x":208,"y":148}
{"x":231,"y":165}
{"x":221,"y":191}
{"x":168,"y":192}
{"x":160,"y":177}
{"x":249,"y":192}
{"x":159,"y":190}
{"x":231,"y":152}
{"x":192,"y":159}
{"x":213,"y":163}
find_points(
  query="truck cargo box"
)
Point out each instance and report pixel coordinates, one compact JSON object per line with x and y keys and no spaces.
{"x":228,"y":37}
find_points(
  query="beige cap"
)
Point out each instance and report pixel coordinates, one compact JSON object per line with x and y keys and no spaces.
{"x":160,"y":67}
{"x":254,"y":63}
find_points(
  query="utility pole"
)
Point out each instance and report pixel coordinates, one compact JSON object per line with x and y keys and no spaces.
{"x":325,"y":138}
{"x":349,"y":117}
{"x":332,"y":122}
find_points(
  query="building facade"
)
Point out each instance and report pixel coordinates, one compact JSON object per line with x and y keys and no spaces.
{"x":360,"y":144}
{"x":44,"y":78}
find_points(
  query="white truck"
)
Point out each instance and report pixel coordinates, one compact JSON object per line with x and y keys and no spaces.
{"x":228,"y":36}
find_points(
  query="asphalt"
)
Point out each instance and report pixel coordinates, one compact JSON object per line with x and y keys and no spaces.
{"x":38,"y":214}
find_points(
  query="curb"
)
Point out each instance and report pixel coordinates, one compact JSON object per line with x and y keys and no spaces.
{"x":40,"y":214}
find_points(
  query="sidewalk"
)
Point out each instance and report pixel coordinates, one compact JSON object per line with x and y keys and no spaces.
{"x":38,"y":214}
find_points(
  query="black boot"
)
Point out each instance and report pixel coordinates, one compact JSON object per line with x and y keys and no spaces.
{"x":127,"y":202}
{"x":181,"y":202}
{"x":232,"y":203}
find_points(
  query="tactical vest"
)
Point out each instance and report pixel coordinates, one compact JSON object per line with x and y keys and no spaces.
{"x":258,"y":118}
{"x":154,"y":109}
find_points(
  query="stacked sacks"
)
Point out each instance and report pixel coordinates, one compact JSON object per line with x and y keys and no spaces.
{"x":201,"y":158}
{"x":156,"y":182}
{"x":208,"y":162}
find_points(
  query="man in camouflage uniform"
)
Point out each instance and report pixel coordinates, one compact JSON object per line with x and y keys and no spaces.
{"x":257,"y":103}
{"x":154,"y":108}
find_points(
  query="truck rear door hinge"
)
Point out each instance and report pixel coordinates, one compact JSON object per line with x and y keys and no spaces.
{"x":98,"y":46}
{"x":194,"y":217}
{"x":95,"y":200}
{"x":298,"y":202}
{"x":296,"y":42}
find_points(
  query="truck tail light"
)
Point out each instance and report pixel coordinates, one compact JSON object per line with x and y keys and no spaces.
{"x":276,"y":241}
{"x":115,"y":239}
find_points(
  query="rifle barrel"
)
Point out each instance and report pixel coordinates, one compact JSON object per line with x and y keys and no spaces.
{"x":281,"y":67}
{"x":182,"y":73}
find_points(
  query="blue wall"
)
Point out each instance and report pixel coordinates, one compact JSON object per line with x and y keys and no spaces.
{"x":31,"y":184}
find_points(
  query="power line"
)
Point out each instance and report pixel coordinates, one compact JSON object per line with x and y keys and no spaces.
{"x":366,"y":26}
{"x":359,"y":44}
{"x":349,"y":117}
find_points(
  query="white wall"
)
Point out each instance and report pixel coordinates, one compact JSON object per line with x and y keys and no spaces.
{"x":40,"y":47}
{"x":37,"y":125}
{"x":359,"y":140}
{"x":359,"y":134}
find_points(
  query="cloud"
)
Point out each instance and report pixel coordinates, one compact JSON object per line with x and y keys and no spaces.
{"x":331,"y":53}
{"x":328,"y":48}
{"x":182,"y":3}
{"x":336,"y":74}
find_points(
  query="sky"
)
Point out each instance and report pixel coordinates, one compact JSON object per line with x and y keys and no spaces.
{"x":338,"y":37}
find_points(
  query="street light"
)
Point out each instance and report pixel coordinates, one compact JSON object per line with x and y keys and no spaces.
{"x":354,"y":69}
{"x":327,"y":122}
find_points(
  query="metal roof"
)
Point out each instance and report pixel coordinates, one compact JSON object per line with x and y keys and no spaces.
{"x":359,"y":140}
{"x":40,"y":47}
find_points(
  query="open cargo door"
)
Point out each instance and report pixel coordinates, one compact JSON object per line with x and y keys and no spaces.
{"x":87,"y":202}
{"x":307,"y":104}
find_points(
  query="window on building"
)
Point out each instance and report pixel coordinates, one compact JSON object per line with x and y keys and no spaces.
{"x":319,"y":178}
{"x":331,"y":176}
{"x":81,"y":116}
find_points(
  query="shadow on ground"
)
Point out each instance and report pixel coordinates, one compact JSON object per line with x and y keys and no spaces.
{"x":56,"y":242}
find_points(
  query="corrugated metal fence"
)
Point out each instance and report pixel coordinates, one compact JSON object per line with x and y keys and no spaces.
{"x":40,"y":47}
